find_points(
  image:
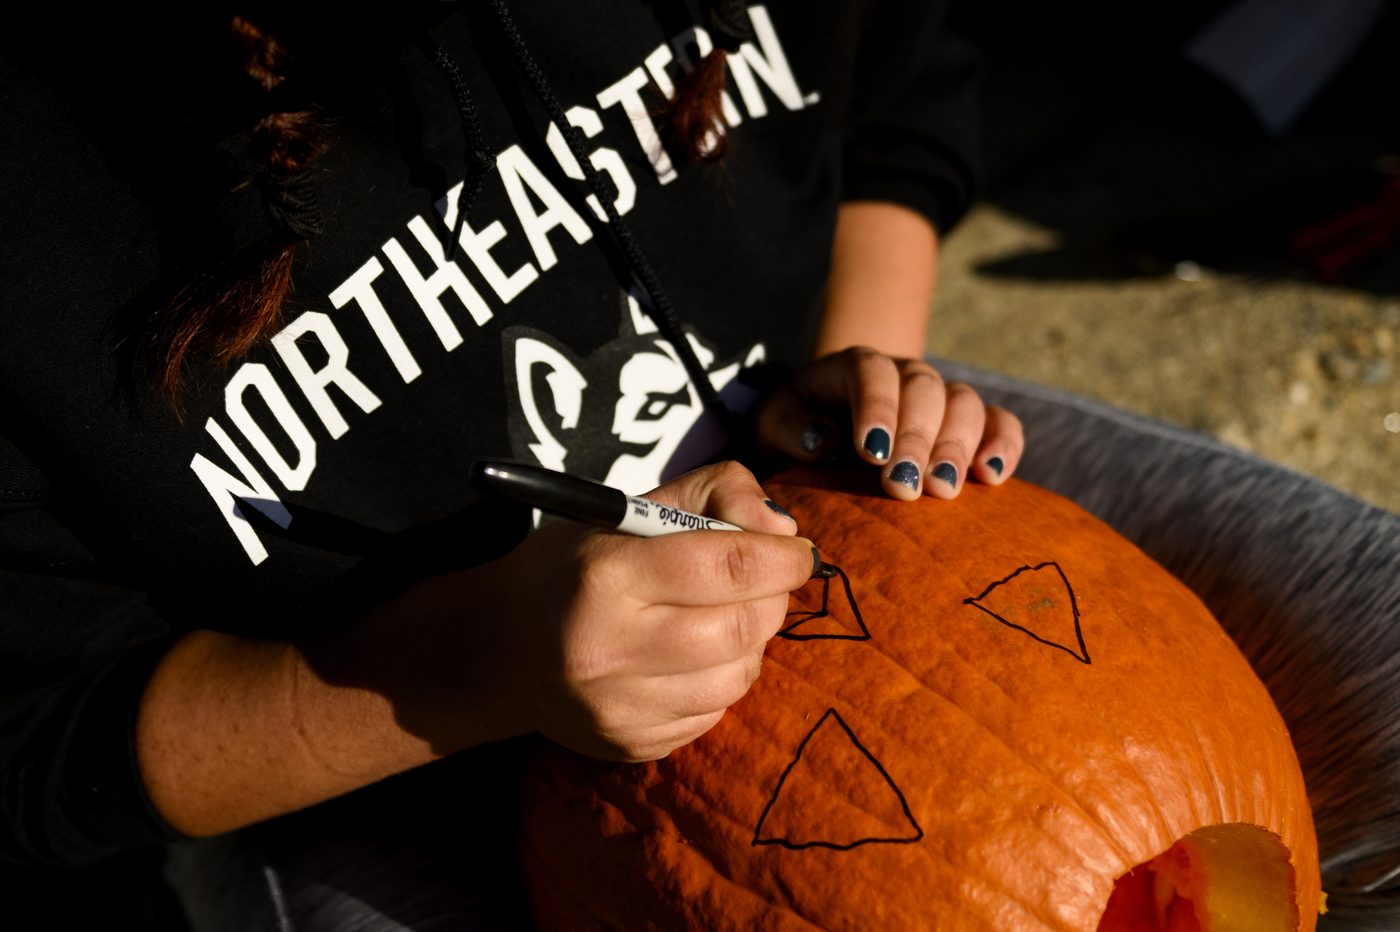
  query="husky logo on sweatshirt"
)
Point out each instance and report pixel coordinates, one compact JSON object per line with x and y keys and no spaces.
{"x":627,"y":414}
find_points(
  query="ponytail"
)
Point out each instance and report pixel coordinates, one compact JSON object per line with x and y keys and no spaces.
{"x":694,"y":117}
{"x":225,"y":313}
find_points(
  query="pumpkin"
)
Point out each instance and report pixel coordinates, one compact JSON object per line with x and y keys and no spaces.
{"x":1001,"y":715}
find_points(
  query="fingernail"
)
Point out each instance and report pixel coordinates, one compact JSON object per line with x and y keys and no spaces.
{"x":877,"y":443}
{"x":946,"y":472}
{"x":905,"y":473}
{"x":816,"y":562}
{"x":996,"y":463}
{"x":779,"y":509}
{"x":813,"y":435}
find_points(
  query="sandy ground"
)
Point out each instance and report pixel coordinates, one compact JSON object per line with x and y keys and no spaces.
{"x":1301,"y":373}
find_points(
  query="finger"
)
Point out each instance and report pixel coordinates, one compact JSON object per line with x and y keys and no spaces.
{"x":702,"y":692}
{"x":695,"y":567}
{"x":874,"y":394}
{"x":866,"y":380}
{"x":958,"y":438}
{"x":656,"y":743}
{"x":634,"y":744}
{"x":921,"y":404}
{"x":730,"y":492}
{"x":1003,"y":441}
{"x":648,"y":717}
{"x":674,"y":641}
{"x":787,"y":423}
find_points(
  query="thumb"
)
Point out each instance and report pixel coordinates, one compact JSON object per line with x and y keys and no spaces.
{"x":729,"y":492}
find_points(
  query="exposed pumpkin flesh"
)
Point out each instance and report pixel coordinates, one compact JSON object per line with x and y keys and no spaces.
{"x":1221,"y":878}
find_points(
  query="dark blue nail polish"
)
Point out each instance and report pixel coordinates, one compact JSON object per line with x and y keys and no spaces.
{"x":779,"y":509}
{"x":946,"y":472}
{"x":996,"y":464}
{"x":905,"y":473}
{"x":813,"y":435}
{"x":877,"y":443}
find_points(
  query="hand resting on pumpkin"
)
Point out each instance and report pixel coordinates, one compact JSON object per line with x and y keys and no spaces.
{"x":925,"y":434}
{"x":616,"y":646}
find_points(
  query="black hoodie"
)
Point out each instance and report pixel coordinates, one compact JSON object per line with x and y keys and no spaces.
{"x":327,"y":470}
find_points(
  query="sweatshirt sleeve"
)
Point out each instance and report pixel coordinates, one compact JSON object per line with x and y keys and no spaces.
{"x":75,"y":654}
{"x":912,"y":134}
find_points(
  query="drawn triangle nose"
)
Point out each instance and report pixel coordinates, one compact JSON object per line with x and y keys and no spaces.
{"x":835,"y":794}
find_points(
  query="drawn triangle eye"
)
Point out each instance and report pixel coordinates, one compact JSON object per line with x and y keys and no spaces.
{"x":1039,"y":601}
{"x":823,"y":611}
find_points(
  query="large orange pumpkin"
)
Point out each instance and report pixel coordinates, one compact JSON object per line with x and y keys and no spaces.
{"x":1001,"y":716}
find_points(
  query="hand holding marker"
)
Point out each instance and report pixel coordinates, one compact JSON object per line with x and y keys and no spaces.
{"x":598,"y":504}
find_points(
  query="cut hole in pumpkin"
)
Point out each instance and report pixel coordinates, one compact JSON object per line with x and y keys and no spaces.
{"x":1222,"y":878}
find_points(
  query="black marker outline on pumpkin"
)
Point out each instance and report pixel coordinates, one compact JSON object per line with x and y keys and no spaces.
{"x":826,"y":844}
{"x":1073,"y":604}
{"x":823,"y":613}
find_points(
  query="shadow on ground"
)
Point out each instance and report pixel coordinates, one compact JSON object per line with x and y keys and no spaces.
{"x":1097,"y":127}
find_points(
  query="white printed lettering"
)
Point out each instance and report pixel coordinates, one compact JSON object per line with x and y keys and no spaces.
{"x":359,"y":288}
{"x":313,"y":382}
{"x":478,"y":248}
{"x":625,"y":92}
{"x":656,"y":63}
{"x":603,"y":159}
{"x":256,"y":375}
{"x":426,"y":291}
{"x":748,"y":87}
{"x":227,"y":492}
{"x":770,"y":64}
{"x":518,"y":172}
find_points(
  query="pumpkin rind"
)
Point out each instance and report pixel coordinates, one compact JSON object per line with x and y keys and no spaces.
{"x":1050,"y":706}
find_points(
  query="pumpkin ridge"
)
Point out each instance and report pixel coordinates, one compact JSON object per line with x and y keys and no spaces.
{"x":1201,"y":756}
{"x":1112,"y":730}
{"x":1109,"y":834}
{"x":1063,"y":795}
{"x":776,"y":878}
{"x":930,"y":852}
{"x":789,"y":908}
{"x":745,"y":830}
{"x":1207,"y":761}
{"x":1167,"y":830}
{"x":1073,"y":684}
{"x":879,"y":767}
{"x":885,"y":733}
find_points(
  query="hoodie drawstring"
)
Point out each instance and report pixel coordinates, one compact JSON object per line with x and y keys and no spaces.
{"x":480,"y":161}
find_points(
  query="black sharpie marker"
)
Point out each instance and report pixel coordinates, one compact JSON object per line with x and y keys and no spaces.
{"x":598,"y":504}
